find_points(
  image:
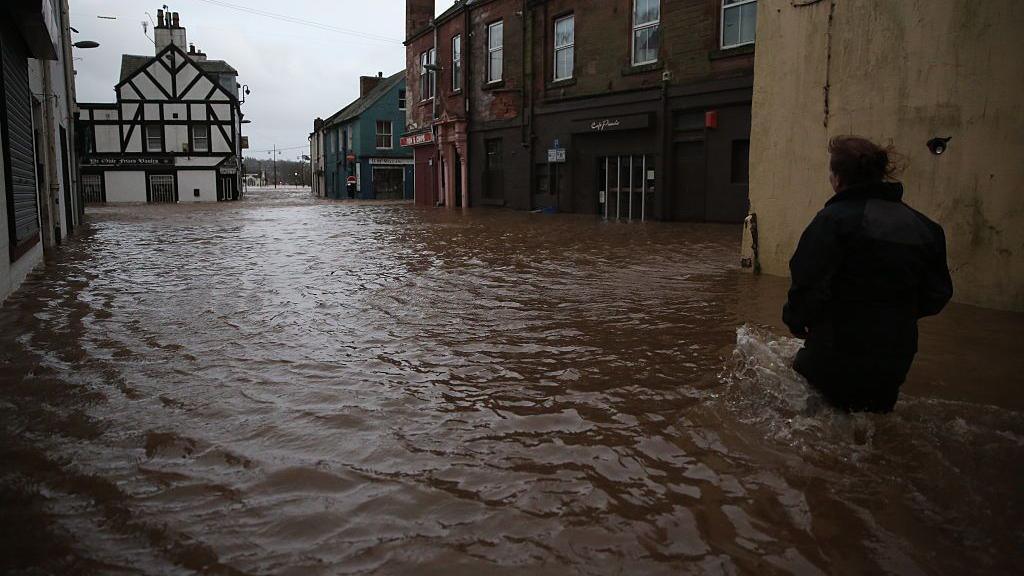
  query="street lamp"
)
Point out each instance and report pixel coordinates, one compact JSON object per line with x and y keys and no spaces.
{"x":85,"y":44}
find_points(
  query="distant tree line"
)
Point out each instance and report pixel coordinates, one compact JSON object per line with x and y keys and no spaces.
{"x":289,"y":172}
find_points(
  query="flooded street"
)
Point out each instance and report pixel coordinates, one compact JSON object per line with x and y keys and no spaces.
{"x":290,"y":386}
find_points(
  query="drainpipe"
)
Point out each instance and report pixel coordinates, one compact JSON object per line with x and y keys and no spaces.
{"x":53,"y":231}
{"x":467,"y":83}
{"x":526,"y":101}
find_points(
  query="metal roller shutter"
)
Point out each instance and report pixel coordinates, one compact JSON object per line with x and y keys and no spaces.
{"x":19,"y":158}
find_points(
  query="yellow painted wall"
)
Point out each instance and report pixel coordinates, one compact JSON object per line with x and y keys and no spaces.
{"x":900,"y":72}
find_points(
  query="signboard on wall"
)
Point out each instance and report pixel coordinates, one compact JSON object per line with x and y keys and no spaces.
{"x":613,"y":123}
{"x":417,"y":139}
{"x":127,"y":161}
{"x":556,"y":156}
{"x":391,"y":161}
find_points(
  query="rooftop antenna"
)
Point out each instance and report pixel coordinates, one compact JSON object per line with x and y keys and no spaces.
{"x":145,"y":32}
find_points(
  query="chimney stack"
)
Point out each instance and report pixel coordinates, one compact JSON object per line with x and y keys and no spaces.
{"x":168,"y":31}
{"x":368,"y":83}
{"x":418,"y":15}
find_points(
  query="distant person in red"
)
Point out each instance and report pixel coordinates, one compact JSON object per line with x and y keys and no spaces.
{"x":866,"y":269}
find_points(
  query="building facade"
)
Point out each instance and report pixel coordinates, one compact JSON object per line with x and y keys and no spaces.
{"x":37,"y":136}
{"x":628,"y":109}
{"x":316,"y":158}
{"x":174,"y":132}
{"x":917,"y":74}
{"x":358,"y":147}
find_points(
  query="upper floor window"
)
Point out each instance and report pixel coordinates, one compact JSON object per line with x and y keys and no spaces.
{"x":646,"y":21}
{"x":201,"y":138}
{"x":427,"y":80}
{"x":384,"y":139}
{"x":457,"y":63}
{"x":401,"y":99}
{"x":495,"y":51}
{"x":739,"y":22}
{"x":154,"y":138}
{"x":565,"y":40}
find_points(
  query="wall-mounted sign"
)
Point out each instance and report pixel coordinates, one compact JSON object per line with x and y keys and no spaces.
{"x":228,"y":170}
{"x":613,"y":124}
{"x":556,"y":155}
{"x":245,"y":142}
{"x":127,"y":161}
{"x":417,"y":139}
{"x":391,"y":161}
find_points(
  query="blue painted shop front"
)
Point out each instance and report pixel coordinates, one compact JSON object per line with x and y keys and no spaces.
{"x":362,"y":156}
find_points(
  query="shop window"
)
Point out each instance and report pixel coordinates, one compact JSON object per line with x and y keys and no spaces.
{"x":565,"y":40}
{"x":495,"y":51}
{"x":739,"y":22}
{"x":646,"y":24}
{"x":740,"y":161}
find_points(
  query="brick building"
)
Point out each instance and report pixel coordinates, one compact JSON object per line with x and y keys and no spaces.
{"x":629,"y":109}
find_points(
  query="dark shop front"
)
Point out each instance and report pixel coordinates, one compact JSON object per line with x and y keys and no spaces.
{"x":623,"y":162}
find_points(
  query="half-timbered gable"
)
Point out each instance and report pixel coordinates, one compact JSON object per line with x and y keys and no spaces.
{"x":174,"y":110}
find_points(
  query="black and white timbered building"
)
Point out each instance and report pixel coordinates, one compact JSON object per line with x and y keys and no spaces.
{"x":174,"y":134}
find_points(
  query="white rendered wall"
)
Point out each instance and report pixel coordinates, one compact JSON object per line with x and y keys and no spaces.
{"x":175,"y":137}
{"x":204,"y":180}
{"x":198,"y":161}
{"x":108,"y":138}
{"x":125,"y":186}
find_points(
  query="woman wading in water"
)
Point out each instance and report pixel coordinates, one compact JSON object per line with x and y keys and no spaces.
{"x":866,"y":269}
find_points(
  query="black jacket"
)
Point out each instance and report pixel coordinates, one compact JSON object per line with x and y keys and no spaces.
{"x":867,"y":267}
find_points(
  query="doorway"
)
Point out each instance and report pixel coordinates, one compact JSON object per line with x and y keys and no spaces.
{"x":227,"y":187}
{"x":689,"y":199}
{"x":388,"y":183}
{"x":494,"y":177}
{"x":626,"y":186}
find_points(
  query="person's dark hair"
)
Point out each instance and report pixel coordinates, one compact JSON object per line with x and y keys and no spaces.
{"x":857,"y":160}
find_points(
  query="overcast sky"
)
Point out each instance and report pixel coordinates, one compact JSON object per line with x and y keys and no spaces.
{"x":295,"y":71}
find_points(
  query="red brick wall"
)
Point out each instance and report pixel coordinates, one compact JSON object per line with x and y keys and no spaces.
{"x":451,"y":102}
{"x":419,"y":111}
{"x":603,"y":46}
{"x":504,"y":100}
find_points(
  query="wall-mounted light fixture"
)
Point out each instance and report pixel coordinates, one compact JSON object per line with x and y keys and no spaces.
{"x":938,"y":146}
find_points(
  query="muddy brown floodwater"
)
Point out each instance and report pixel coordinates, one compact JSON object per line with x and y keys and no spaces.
{"x":291,"y":386}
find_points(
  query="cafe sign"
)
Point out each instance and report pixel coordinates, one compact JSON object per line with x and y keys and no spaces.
{"x":417,"y":139}
{"x":613,"y":123}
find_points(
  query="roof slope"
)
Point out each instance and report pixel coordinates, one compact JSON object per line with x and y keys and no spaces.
{"x":132,"y":63}
{"x":360,"y":105}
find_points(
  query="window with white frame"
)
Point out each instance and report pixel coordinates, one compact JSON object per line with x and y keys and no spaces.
{"x":457,"y":63}
{"x":495,"y":51}
{"x":154,"y":138}
{"x":201,"y":138}
{"x":427,"y":76}
{"x":739,"y":22}
{"x":384,"y":139}
{"x":646,"y":24}
{"x":565,"y":40}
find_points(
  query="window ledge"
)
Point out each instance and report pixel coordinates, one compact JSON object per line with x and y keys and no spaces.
{"x":500,"y":84}
{"x":730,"y":52}
{"x":555,"y":84}
{"x":643,"y":68}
